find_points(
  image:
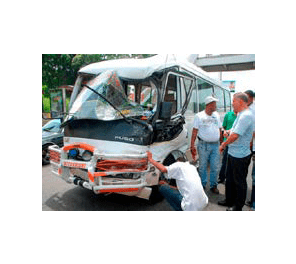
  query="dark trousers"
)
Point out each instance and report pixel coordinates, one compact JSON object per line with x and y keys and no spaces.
{"x":253,"y":187}
{"x":236,"y":180}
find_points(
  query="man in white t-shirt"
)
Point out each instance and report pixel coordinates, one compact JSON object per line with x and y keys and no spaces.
{"x":190,"y":195}
{"x":207,"y":126}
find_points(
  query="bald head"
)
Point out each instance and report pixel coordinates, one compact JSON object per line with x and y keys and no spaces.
{"x":240,"y":102}
{"x":241,"y":96}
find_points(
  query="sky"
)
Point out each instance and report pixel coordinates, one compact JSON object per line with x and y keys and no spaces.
{"x":244,"y":80}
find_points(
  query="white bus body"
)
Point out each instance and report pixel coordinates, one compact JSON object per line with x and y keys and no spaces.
{"x":120,"y":109}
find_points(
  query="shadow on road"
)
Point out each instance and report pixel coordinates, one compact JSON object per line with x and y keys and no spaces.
{"x":214,"y":198}
{"x":78,"y":199}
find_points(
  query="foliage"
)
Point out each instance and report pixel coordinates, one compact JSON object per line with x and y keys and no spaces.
{"x":46,"y":104}
{"x":61,"y":69}
{"x":45,"y":90}
{"x":57,"y":70}
{"x":81,"y":60}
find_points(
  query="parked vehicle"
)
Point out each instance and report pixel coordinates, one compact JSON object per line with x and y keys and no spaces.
{"x":51,"y":135}
{"x":119,"y":110}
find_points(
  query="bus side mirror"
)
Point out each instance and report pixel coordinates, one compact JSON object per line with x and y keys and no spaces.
{"x":165,"y":110}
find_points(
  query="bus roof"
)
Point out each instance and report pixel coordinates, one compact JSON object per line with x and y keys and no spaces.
{"x":144,"y":68}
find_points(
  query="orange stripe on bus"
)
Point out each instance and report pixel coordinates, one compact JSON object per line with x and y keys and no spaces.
{"x":123,"y":165}
{"x":90,"y":176}
{"x":74,"y":164}
{"x":119,"y":190}
{"x":79,"y":145}
{"x":99,"y":174}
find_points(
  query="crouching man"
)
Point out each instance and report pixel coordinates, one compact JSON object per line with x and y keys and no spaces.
{"x":190,"y":195}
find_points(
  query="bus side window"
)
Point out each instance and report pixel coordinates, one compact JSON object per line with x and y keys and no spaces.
{"x":192,"y":106}
{"x":177,"y":91}
{"x":219,"y":94}
{"x":227,"y":101}
{"x":204,"y":90}
{"x":173,"y":92}
{"x":130,"y":92}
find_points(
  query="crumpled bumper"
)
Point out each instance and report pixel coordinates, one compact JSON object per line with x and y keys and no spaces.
{"x":100,"y":173}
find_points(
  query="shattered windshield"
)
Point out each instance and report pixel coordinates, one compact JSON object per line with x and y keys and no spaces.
{"x":90,"y":105}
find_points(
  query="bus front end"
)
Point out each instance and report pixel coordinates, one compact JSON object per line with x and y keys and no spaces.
{"x":106,"y":139}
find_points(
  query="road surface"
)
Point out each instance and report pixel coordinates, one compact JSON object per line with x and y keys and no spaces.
{"x":57,"y":195}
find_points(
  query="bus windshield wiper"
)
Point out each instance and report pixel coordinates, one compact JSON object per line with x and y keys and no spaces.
{"x":125,"y":118}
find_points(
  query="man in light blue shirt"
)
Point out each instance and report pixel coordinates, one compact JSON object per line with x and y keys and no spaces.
{"x":244,"y":127}
{"x":239,"y":154}
{"x":251,"y":104}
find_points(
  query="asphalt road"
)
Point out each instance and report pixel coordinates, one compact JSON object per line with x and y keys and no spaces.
{"x":57,"y":195}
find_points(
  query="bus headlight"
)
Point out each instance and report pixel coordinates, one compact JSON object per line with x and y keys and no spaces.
{"x":86,"y":156}
{"x":73,"y":153}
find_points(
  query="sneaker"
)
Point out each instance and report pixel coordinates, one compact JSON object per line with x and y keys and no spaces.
{"x":224,"y":203}
{"x":214,"y":190}
{"x":248,"y":203}
{"x":221,"y":181}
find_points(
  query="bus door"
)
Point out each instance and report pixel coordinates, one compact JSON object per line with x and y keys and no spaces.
{"x":177,"y":91}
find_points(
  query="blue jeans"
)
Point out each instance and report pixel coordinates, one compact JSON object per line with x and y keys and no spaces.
{"x":173,"y":196}
{"x":208,"y":153}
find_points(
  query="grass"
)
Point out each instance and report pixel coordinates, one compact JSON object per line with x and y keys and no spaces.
{"x":46,"y":104}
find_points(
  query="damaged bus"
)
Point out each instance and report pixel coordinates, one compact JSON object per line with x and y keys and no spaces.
{"x":119,"y":110}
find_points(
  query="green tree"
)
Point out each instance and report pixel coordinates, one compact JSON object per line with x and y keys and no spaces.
{"x":60,"y":69}
{"x":57,"y":70}
{"x":81,"y":60}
